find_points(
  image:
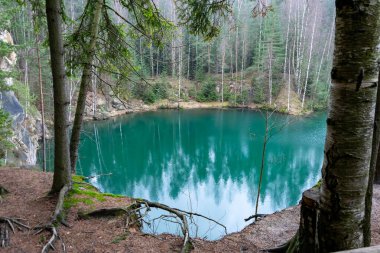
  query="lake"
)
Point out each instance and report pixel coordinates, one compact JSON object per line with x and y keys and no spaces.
{"x":206,"y":161}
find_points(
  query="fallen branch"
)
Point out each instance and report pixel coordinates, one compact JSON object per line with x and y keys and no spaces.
{"x":99,"y":175}
{"x":255,"y":216}
{"x":55,"y":218}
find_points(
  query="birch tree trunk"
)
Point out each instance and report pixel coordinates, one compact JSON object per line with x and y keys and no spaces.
{"x":308,"y":63}
{"x":62,"y":175}
{"x":340,"y":213}
{"x":85,"y":83}
{"x":375,"y":150}
{"x":223,"y":60}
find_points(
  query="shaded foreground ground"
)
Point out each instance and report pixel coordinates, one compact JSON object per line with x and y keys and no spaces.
{"x":27,"y":199}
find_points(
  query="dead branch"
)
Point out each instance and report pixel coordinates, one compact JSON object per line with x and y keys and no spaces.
{"x":99,"y":175}
{"x":255,"y":216}
{"x":55,"y":218}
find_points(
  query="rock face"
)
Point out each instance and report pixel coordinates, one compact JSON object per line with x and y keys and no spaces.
{"x":26,"y":133}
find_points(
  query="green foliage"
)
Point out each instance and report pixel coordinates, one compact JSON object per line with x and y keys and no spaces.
{"x":5,"y":133}
{"x":207,"y":92}
{"x":150,"y":93}
{"x":202,"y":17}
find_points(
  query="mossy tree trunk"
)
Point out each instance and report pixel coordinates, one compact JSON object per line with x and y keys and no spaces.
{"x":62,"y":175}
{"x":337,"y":217}
{"x":85,"y":83}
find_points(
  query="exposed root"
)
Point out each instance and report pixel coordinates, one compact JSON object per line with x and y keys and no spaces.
{"x":182,"y":215}
{"x":54,"y":220}
{"x":11,"y":223}
{"x":134,"y":215}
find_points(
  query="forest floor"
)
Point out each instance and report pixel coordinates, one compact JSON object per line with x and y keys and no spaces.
{"x":27,"y":199}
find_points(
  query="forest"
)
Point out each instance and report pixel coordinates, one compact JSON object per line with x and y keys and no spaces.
{"x":189,"y":126}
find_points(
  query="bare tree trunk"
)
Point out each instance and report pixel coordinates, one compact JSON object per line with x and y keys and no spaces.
{"x":242,"y":68}
{"x":151,"y":59}
{"x":286,"y":51}
{"x":179,"y":72}
{"x":41,"y":105}
{"x":270,"y":53}
{"x":157,"y":61}
{"x":188,"y":60}
{"x":223,"y":60}
{"x":85,"y":83}
{"x":62,"y":175}
{"x":308,"y":64}
{"x":209,"y":58}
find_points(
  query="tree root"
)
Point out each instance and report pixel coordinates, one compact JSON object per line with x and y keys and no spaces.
{"x":12,"y":223}
{"x":181,"y":217}
{"x":51,"y":225}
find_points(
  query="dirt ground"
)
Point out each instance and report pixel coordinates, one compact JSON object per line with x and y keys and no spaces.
{"x":28,"y":200}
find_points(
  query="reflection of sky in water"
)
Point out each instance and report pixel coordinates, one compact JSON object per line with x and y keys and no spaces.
{"x":206,"y":161}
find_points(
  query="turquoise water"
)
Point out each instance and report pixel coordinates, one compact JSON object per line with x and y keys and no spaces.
{"x":206,"y":161}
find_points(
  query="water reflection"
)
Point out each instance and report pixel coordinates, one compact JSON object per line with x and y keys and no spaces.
{"x":204,"y":160}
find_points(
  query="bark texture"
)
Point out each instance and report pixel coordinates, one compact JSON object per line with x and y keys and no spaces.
{"x":62,"y":174}
{"x":350,"y":121}
{"x":85,"y":84}
{"x":375,"y":149}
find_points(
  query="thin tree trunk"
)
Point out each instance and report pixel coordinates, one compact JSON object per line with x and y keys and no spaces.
{"x":270,"y":72}
{"x":262,"y":163}
{"x":157,"y":61}
{"x":84,"y":86}
{"x":223,"y":60}
{"x":179,"y":73}
{"x":308,"y":64}
{"x":41,"y":105}
{"x":188,"y":60}
{"x":209,"y":58}
{"x":151,"y":59}
{"x":62,"y":175}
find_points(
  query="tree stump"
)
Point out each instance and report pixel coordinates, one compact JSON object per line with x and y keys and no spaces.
{"x":308,"y":232}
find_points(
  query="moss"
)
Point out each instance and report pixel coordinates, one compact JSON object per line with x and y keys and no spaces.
{"x":120,"y":238}
{"x":83,"y":192}
{"x":318,"y":184}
